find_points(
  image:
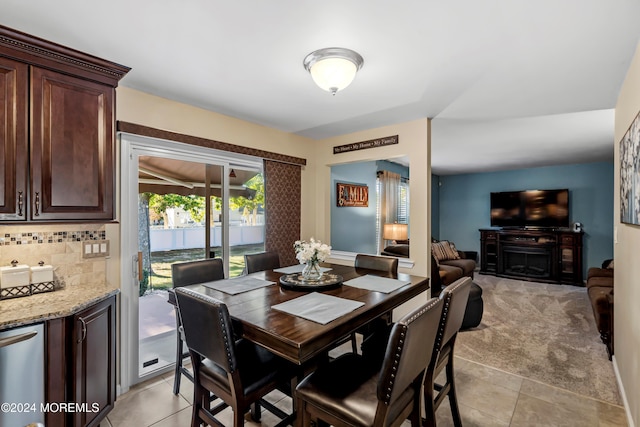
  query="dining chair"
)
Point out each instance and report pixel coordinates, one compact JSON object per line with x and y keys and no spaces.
{"x":185,"y":274}
{"x":380,"y":263}
{"x":237,"y":371}
{"x":261,"y":261}
{"x":348,"y":391}
{"x":455,"y":298}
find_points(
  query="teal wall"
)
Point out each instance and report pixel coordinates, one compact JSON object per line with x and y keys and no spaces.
{"x":464,"y":203}
{"x":435,"y":207}
{"x":354,"y":229}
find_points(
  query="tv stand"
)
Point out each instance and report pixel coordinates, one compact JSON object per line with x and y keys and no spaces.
{"x":541,"y":255}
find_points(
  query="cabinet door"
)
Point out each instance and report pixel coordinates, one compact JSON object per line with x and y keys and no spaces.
{"x":13,"y":139}
{"x":72,"y":158}
{"x":94,"y":382}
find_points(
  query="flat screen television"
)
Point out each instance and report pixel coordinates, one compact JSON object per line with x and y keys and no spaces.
{"x":531,"y":208}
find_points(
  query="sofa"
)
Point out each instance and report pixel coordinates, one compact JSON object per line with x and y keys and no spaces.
{"x":600,"y":291}
{"x":448,"y":265}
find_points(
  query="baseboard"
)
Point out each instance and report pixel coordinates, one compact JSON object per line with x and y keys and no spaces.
{"x":625,"y":402}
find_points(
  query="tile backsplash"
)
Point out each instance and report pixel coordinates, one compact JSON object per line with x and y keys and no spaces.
{"x":59,"y":245}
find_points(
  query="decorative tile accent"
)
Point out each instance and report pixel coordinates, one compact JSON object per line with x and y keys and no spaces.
{"x":29,"y":238}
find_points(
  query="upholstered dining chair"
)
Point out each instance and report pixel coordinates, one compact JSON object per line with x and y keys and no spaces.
{"x":185,"y":274}
{"x":380,"y":263}
{"x":261,"y":261}
{"x":348,"y":391}
{"x":237,"y":371}
{"x":455,"y":298}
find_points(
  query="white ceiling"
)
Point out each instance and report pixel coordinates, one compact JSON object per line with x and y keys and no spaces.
{"x":508,"y":83}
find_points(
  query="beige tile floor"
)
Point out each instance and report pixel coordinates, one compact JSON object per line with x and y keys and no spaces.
{"x":486,"y":396}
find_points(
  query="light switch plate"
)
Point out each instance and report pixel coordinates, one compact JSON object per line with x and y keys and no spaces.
{"x":95,"y":249}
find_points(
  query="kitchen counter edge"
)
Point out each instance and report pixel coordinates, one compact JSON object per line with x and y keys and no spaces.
{"x":51,"y":305}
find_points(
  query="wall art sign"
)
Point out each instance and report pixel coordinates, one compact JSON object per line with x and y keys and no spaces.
{"x":352,"y":195}
{"x":372,"y":143}
{"x":630,"y":174}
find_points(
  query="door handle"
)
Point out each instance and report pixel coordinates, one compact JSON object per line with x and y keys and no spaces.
{"x":84,"y":330}
{"x":5,"y":342}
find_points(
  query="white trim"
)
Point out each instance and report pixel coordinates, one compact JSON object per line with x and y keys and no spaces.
{"x":351,"y":258}
{"x":625,"y":402}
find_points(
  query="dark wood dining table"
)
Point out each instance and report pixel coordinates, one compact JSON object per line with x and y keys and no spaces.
{"x":295,"y":338}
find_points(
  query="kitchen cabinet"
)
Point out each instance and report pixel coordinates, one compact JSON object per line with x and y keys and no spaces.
{"x":57,"y":131}
{"x":81,"y":366}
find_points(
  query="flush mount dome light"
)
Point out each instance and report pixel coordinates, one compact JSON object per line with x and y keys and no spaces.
{"x":333,"y":68}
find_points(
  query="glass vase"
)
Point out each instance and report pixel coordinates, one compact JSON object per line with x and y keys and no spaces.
{"x":311,"y":271}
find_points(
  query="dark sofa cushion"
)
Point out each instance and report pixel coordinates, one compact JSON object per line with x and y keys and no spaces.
{"x":449,"y":274}
{"x":600,"y":282}
{"x":599,"y":272}
{"x":466,"y":265}
{"x":399,"y":250}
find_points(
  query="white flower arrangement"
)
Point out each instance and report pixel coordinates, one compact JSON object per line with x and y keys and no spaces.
{"x":312,"y":251}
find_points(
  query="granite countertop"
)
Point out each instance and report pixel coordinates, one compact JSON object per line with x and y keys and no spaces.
{"x":50,"y":305}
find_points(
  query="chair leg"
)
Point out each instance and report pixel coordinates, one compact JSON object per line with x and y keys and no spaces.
{"x":256,"y":412}
{"x":238,"y":417}
{"x":429,"y":406}
{"x":179,"y":350}
{"x":453,"y":399}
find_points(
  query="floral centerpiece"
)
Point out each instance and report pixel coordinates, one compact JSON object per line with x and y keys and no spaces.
{"x":311,"y":253}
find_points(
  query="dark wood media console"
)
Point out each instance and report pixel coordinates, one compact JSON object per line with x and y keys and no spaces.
{"x":553,"y":256}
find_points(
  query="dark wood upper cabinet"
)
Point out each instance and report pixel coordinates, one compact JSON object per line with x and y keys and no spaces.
{"x":13,"y":139}
{"x":57,"y":130}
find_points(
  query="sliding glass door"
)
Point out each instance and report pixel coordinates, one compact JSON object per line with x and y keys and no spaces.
{"x":179,"y":203}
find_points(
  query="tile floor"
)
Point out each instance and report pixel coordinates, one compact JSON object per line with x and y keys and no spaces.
{"x":487,"y":397}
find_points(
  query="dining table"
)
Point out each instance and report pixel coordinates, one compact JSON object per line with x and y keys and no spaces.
{"x":261,"y":315}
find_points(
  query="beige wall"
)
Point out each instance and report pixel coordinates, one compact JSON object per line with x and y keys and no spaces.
{"x":627,"y":268}
{"x":148,"y":110}
{"x":413,"y":143}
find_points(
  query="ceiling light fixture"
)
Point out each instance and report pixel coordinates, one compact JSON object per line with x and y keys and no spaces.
{"x":333,"y":68}
{"x":232,"y":174}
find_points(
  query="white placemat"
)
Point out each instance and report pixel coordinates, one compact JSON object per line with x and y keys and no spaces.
{"x":238,"y":285}
{"x":297,"y":268}
{"x":319,"y":308}
{"x":376,"y":283}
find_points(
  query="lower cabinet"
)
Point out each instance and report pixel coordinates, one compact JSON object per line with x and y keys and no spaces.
{"x":81,"y":369}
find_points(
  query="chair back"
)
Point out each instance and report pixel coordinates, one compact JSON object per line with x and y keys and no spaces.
{"x":261,"y":261}
{"x":407,"y":355}
{"x":455,"y":298}
{"x":380,"y":263}
{"x":200,"y":271}
{"x":207,"y":327}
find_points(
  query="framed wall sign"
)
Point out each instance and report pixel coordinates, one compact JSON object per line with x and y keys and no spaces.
{"x":353,"y":195}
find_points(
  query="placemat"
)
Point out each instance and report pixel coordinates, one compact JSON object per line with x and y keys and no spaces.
{"x":238,"y":285}
{"x":376,"y":283}
{"x":319,"y":308}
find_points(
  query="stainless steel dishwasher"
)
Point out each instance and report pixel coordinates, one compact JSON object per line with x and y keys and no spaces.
{"x":21,"y":376}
